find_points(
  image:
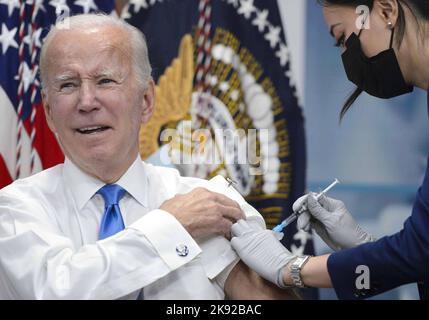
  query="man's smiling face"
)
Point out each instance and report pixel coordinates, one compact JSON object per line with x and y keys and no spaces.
{"x":92,"y":98}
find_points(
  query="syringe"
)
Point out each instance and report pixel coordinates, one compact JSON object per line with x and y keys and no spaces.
{"x":296,"y":214}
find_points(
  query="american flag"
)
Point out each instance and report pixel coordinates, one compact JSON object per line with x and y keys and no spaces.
{"x":26,"y":143}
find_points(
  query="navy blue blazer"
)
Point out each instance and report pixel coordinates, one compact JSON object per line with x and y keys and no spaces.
{"x":393,"y":260}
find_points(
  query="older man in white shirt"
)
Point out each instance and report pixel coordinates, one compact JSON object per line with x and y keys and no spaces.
{"x":105,"y":225}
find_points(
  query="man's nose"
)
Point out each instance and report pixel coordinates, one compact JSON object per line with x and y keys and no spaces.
{"x":88,"y":97}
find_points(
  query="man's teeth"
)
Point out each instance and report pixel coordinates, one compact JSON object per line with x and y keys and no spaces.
{"x":91,"y":129}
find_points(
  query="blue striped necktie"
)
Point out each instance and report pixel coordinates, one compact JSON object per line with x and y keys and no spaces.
{"x":112,"y":221}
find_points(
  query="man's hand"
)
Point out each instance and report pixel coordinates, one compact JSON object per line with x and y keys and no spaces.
{"x":261,"y":251}
{"x":332,"y":222}
{"x":204,"y":213}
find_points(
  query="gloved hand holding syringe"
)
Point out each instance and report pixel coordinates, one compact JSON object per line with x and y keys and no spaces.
{"x":296,"y":214}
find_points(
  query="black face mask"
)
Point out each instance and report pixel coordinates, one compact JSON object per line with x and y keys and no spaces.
{"x":379,"y":76}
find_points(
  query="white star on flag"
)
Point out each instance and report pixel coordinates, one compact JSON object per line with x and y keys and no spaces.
{"x":59,"y":5}
{"x":33,"y":38}
{"x":273,"y":36}
{"x":138,"y":5}
{"x":86,"y":5}
{"x":27,"y":77}
{"x":233,"y":2}
{"x":125,"y":14}
{"x":7,"y":38}
{"x":246,"y":8}
{"x":289,"y":74}
{"x":11,"y":5}
{"x":261,"y":20}
{"x":283,"y":54}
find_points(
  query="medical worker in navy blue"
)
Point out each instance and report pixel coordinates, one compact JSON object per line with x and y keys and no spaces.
{"x":386,"y":54}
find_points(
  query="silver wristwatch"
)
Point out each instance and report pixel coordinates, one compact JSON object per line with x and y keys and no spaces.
{"x":295,"y":270}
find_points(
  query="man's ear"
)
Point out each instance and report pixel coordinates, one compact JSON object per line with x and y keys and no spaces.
{"x":48,"y":111}
{"x":148,"y":102}
{"x":387,"y":10}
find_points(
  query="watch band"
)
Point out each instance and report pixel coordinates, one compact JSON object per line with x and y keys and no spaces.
{"x":295,"y":270}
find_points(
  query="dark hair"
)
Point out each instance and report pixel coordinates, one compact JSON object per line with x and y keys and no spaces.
{"x":420,"y":10}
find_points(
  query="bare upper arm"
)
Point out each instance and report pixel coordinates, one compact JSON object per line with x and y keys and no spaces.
{"x":245,"y":284}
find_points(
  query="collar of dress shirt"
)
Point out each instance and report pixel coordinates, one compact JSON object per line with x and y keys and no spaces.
{"x":83,"y":186}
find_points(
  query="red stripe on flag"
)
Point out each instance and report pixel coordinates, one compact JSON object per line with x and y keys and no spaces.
{"x":5,"y":177}
{"x":45,"y":142}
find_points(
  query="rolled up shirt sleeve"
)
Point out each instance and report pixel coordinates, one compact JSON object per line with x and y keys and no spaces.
{"x":218,"y":257}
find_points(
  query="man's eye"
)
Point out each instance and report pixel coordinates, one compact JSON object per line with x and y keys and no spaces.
{"x":105,"y":81}
{"x":341,"y":41}
{"x":67,"y":85}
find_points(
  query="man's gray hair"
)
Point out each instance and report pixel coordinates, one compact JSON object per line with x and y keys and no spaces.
{"x":139,"y":54}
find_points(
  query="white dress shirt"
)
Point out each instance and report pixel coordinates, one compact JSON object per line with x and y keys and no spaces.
{"x":49,"y":247}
